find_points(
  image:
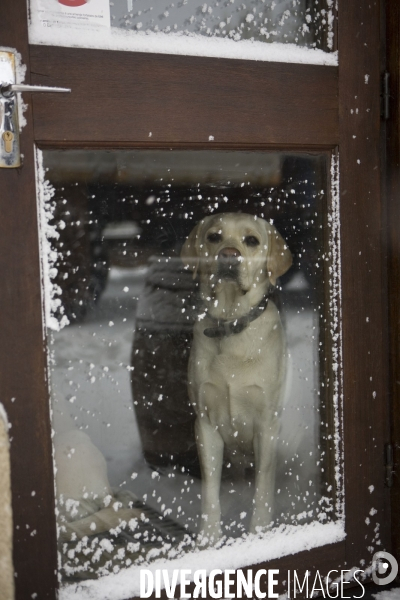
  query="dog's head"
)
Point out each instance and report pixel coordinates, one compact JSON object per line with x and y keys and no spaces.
{"x":237,"y":248}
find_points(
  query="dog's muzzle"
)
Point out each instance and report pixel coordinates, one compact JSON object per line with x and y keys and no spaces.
{"x":228,"y":263}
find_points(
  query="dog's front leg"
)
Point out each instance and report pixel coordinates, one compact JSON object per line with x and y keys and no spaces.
{"x":264,"y":444}
{"x":211,"y":449}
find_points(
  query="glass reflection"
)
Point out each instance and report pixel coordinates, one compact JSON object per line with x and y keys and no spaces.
{"x":129,"y":480}
{"x":287,"y":21}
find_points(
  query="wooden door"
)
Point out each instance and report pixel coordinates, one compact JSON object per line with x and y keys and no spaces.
{"x":244,"y":105}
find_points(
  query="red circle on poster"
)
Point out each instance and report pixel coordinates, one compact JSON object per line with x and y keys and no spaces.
{"x":73,"y":2}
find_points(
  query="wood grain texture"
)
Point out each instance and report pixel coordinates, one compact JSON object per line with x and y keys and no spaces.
{"x":365,"y":352}
{"x":123,"y":97}
{"x":393,"y":191}
{"x":23,"y":389}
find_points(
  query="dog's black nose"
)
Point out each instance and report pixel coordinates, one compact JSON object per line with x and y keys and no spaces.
{"x":229,"y":255}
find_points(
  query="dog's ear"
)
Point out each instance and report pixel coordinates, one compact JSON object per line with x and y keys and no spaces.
{"x":190,"y":249}
{"x":279,"y":256}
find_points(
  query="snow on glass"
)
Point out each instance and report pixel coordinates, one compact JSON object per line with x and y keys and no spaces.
{"x":52,"y":304}
{"x":287,"y":21}
{"x":121,"y":307}
{"x":296,"y":31}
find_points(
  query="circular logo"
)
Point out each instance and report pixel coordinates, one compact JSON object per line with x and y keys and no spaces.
{"x":385,"y":568}
{"x":73,"y":2}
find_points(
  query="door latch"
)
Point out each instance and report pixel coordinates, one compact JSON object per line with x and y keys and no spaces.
{"x":10,"y":155}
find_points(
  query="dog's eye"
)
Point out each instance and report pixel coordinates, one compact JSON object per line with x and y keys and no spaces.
{"x":214,"y":238}
{"x":250,"y":240}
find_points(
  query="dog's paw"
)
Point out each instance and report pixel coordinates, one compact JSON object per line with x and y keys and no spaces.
{"x":260,"y":523}
{"x":209,"y":535}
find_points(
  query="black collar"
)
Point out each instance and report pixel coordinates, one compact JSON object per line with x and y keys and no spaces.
{"x":225,"y":328}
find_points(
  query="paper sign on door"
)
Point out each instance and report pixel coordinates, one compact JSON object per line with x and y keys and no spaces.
{"x":72,"y":13}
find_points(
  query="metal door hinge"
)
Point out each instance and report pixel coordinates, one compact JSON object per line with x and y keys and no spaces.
{"x":389,"y":465}
{"x":10,"y":156}
{"x":385,"y":96}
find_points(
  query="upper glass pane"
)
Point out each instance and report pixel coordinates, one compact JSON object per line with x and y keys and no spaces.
{"x":289,"y":21}
{"x":229,"y":28}
{"x":194,"y":357}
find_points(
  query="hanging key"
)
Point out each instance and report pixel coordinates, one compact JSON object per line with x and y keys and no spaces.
{"x":8,"y":138}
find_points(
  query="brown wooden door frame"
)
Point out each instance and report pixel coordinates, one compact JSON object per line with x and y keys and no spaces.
{"x":393,"y":208}
{"x":24,"y":390}
{"x":177,"y":98}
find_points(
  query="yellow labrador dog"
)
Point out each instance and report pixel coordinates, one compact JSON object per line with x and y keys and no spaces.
{"x":237,"y":362}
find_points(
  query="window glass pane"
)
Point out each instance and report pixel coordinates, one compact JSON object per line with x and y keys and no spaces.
{"x":296,"y":21}
{"x":190,"y":27}
{"x":194,"y":354}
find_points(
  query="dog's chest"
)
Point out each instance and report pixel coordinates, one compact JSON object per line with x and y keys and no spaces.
{"x":254,"y":356}
{"x":237,"y":379}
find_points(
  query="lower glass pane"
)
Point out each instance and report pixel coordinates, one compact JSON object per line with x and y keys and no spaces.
{"x":194,"y":354}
